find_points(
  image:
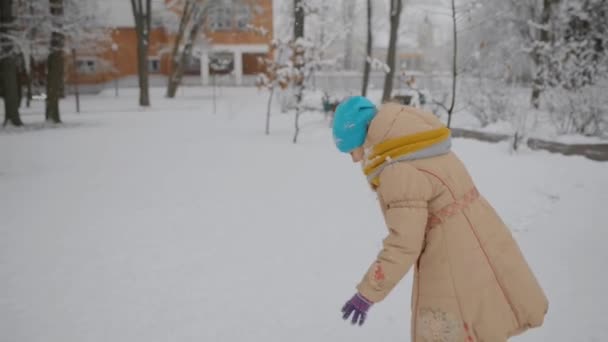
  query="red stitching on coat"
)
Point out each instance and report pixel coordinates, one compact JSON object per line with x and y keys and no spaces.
{"x":480,"y":246}
{"x":379,"y":273}
{"x":451,"y":275}
{"x":452,"y":209}
{"x":492,"y":267}
{"x":468,"y":332}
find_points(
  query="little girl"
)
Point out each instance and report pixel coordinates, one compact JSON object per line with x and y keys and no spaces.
{"x":471,"y":281}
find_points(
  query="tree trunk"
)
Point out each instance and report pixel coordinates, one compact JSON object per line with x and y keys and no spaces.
{"x":75,"y":80}
{"x":298,"y":113}
{"x":20,"y":73}
{"x":8,"y":67}
{"x":30,"y":80}
{"x":54,"y":81}
{"x":368,"y":48}
{"x":348,"y":9}
{"x":178,"y":72}
{"x":268,"y":111}
{"x":183,"y":23}
{"x":454,"y":64}
{"x":142,"y":18}
{"x":213,"y":86}
{"x":298,"y":33}
{"x":32,"y":62}
{"x":298,"y":24}
{"x":395,"y":15}
{"x":544,"y":38}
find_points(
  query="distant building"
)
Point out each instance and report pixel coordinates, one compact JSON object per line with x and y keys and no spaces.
{"x":226,"y":46}
{"x":415,"y":46}
{"x":231,"y":40}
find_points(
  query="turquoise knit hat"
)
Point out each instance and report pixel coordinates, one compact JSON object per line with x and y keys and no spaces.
{"x":351,"y":119}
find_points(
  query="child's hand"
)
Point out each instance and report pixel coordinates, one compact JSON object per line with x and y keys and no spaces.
{"x":359,"y":305}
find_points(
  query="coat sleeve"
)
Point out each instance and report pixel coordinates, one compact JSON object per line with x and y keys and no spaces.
{"x":404,"y":193}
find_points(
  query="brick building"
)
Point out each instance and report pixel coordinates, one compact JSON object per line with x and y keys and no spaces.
{"x":226,"y":46}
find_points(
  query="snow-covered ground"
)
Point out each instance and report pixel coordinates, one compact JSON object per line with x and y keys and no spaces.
{"x":178,"y":224}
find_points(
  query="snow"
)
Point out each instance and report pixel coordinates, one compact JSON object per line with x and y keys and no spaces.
{"x":539,"y":123}
{"x":543,"y":129}
{"x":175,"y":224}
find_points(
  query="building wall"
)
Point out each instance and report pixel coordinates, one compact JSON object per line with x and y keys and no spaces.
{"x":263,"y":18}
{"x":110,"y":65}
{"x":251,"y":64}
{"x":119,"y":64}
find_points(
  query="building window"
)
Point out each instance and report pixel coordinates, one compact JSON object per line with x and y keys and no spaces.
{"x":242,"y":17}
{"x":154,"y":65}
{"x":253,"y":63}
{"x":220,"y":17}
{"x":228,"y":15}
{"x":193,"y":66}
{"x":86,"y":66}
{"x":221,"y":63}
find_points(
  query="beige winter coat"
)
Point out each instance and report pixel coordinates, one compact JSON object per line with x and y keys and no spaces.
{"x":471,"y":281}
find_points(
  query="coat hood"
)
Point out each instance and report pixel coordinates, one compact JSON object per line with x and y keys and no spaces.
{"x":394,"y":120}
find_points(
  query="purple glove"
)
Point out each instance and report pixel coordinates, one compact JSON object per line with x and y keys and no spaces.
{"x":359,"y":305}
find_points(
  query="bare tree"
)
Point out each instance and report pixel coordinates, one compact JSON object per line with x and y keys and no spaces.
{"x":395,"y":15}
{"x":368,"y":49}
{"x":28,"y":61}
{"x":142,"y":13}
{"x":55,"y":63}
{"x":184,"y":21}
{"x":276,"y":72}
{"x":84,"y":31}
{"x":75,"y":80}
{"x":269,"y":79}
{"x":8,"y":66}
{"x":348,"y":14}
{"x":543,"y":41}
{"x":298,"y":56}
{"x":454,"y":63}
{"x":46,"y":31}
{"x":299,"y":16}
{"x":178,"y":71}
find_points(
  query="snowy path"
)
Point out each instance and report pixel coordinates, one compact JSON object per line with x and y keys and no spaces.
{"x":175,"y":224}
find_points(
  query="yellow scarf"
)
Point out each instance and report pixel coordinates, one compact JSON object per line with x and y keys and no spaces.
{"x":400,"y":147}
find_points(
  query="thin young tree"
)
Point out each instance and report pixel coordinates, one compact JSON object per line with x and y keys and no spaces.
{"x":8,"y":66}
{"x":454,"y":63}
{"x":395,"y":15}
{"x":75,"y":79}
{"x":299,"y":17}
{"x":55,"y":63}
{"x":28,"y":61}
{"x":85,"y":33}
{"x":142,"y":14}
{"x":298,"y":61}
{"x":348,"y":15}
{"x":368,"y":50}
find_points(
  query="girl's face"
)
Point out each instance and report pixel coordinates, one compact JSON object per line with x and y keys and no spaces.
{"x":357,"y":154}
